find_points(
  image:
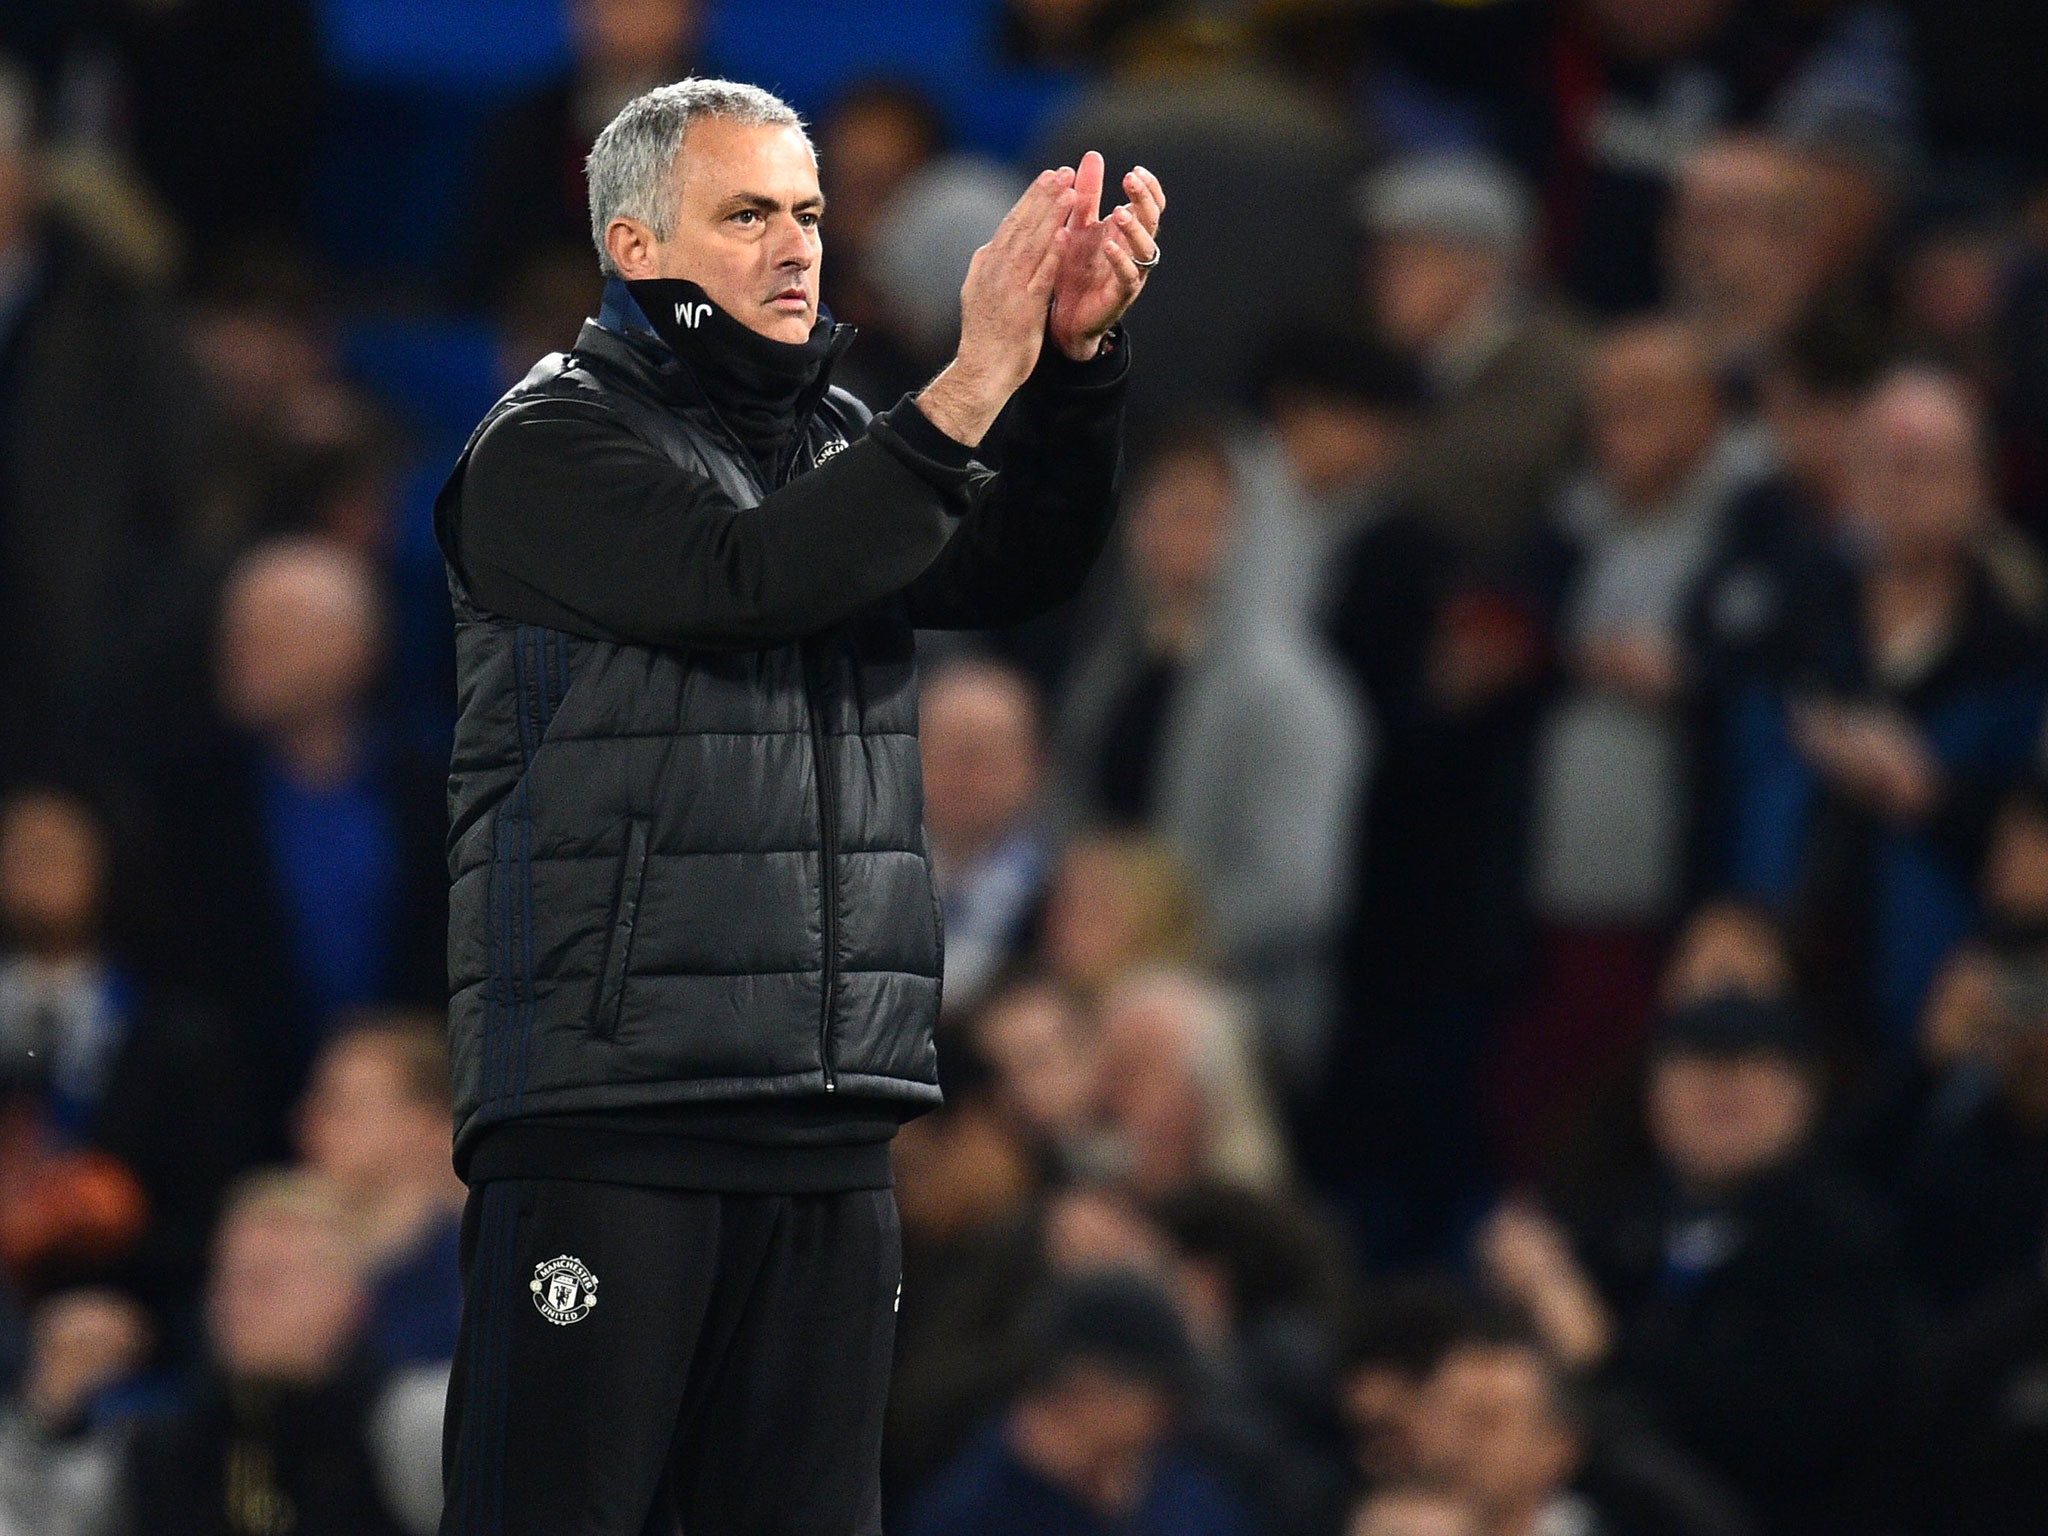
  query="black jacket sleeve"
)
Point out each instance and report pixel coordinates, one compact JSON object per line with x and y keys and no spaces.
{"x":1036,"y":528}
{"x":565,"y":517}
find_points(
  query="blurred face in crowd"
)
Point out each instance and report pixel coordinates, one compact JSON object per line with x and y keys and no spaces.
{"x":1093,"y":1430}
{"x":633,"y":39}
{"x":52,"y":874}
{"x":1719,"y":1120}
{"x":1950,"y":288}
{"x":1414,"y":1512}
{"x":286,"y":1294}
{"x":1335,"y":442}
{"x":1743,"y":245}
{"x":1489,"y":1426}
{"x":1045,"y":1058}
{"x":1918,"y":486}
{"x":365,"y":1123}
{"x":1423,"y":292}
{"x":1726,"y":947}
{"x":1154,"y":1092}
{"x":1654,"y":29}
{"x":299,"y":636}
{"x":1115,"y":901}
{"x":2016,"y":866}
{"x":866,"y":149}
{"x":746,"y":226}
{"x":1180,"y":528}
{"x":1652,"y":412}
{"x":978,"y":737}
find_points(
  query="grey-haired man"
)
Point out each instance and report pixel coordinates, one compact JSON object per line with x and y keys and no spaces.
{"x":694,"y":943}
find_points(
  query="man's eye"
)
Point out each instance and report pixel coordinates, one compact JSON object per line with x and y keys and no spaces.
{"x":808,"y":220}
{"x":747,"y":215}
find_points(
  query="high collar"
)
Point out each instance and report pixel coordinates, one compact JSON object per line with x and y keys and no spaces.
{"x":759,"y":388}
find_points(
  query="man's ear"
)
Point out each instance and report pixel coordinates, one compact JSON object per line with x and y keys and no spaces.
{"x":630,"y":244}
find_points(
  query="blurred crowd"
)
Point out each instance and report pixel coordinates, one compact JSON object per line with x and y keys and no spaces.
{"x":1497,"y":958}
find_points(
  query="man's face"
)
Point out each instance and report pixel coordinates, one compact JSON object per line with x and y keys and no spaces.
{"x":979,"y":739}
{"x":1422,"y":291}
{"x":284,"y":1299}
{"x":1721,"y":1119}
{"x":746,"y":229}
{"x":52,"y":866}
{"x":1652,"y":414}
{"x":361,"y":1123}
{"x":1743,"y":247}
{"x":1917,"y":474}
{"x":1487,"y":1427}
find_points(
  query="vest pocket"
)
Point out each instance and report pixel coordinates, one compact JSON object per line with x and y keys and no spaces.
{"x":618,"y":949}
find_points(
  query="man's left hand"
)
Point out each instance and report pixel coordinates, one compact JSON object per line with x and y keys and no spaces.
{"x":1099,"y":273}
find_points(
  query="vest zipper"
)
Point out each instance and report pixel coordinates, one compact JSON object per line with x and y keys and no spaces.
{"x":829,"y":838}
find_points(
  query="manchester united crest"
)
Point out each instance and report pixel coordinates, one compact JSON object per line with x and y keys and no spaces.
{"x":563,"y":1289}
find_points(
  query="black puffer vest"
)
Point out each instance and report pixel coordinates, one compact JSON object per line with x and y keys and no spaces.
{"x":684,"y":875}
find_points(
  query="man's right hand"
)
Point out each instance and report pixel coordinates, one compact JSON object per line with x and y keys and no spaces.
{"x":1003,"y":307}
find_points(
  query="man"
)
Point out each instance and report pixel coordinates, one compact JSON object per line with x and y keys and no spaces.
{"x":291,"y":1426}
{"x":374,"y":1125}
{"x":694,"y":939}
{"x":1092,"y":1442}
{"x":1745,"y":1297}
{"x":983,"y":758}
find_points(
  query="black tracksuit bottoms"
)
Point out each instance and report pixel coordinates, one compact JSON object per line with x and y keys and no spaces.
{"x":637,"y":1361}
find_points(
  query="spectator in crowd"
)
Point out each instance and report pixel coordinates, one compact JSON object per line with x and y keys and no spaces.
{"x":983,"y":749}
{"x":1502,"y":1425}
{"x":294,"y":1429}
{"x":1782,"y":556}
{"x":122,"y":1114}
{"x":1962,"y":1145}
{"x":1265,"y":1283}
{"x":1613,"y":769}
{"x":1630,"y":90}
{"x":58,"y":1446}
{"x":1088,"y":1444}
{"x":1182,"y":1093}
{"x":1744,"y":256}
{"x":100,"y":430}
{"x":374,"y":1126}
{"x":1745,"y":1296}
{"x":1415,"y":1509}
{"x":528,"y":197}
{"x":1043,"y":1052}
{"x":1862,"y":785}
{"x":1226,"y":731}
{"x":1399,"y":1331}
{"x":307,"y":844}
{"x":1449,"y":281}
{"x":1119,"y":899}
{"x":1339,"y":410}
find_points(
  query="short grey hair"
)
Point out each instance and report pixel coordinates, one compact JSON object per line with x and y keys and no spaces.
{"x":631,"y":169}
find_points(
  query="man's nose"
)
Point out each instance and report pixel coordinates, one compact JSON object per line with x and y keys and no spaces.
{"x":793,"y":247}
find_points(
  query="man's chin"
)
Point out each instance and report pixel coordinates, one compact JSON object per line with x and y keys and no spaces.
{"x":788,"y":324}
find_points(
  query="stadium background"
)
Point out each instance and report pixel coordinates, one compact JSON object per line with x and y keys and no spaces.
{"x":1498,"y":975}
